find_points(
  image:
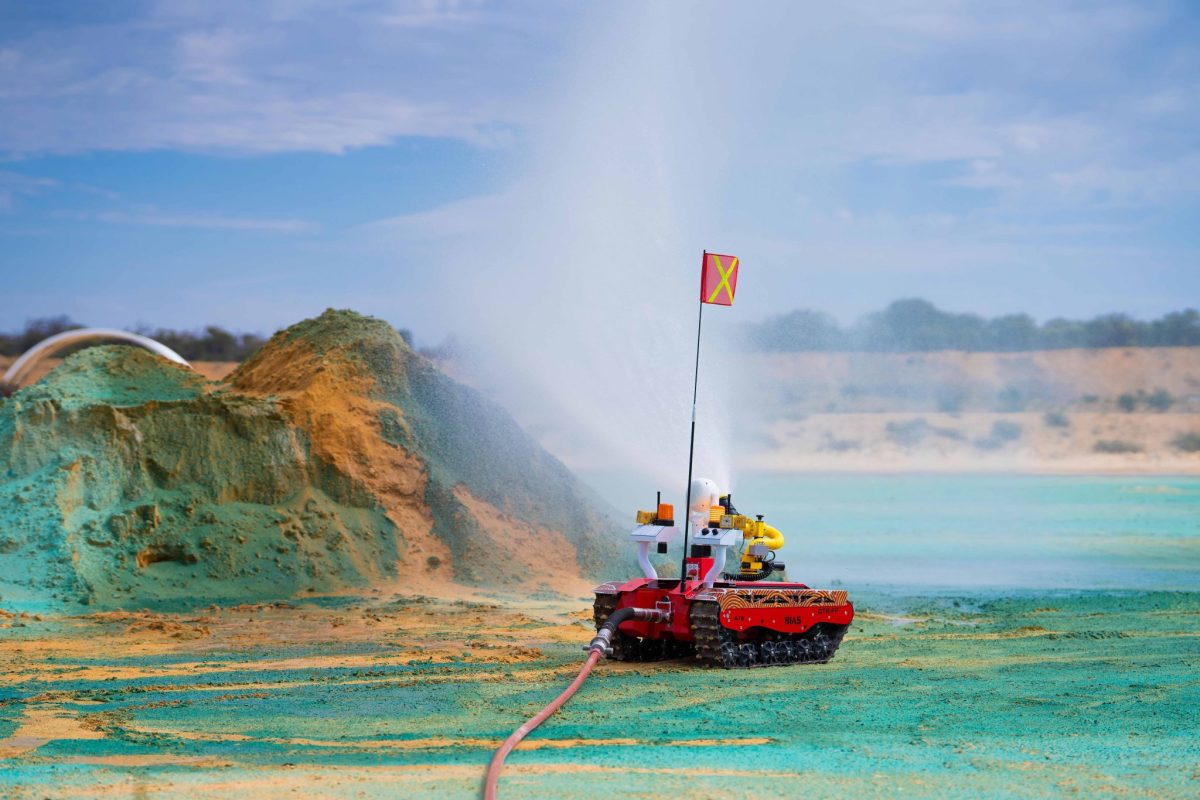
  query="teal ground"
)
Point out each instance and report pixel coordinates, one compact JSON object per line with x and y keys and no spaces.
{"x":1092,"y":694}
{"x":992,"y":691}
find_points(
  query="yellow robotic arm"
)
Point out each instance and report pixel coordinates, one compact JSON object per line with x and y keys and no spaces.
{"x":761,"y":541}
{"x":758,"y":557}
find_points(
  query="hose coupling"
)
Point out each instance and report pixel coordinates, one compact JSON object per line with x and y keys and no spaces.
{"x":602,"y":643}
{"x":658,"y":614}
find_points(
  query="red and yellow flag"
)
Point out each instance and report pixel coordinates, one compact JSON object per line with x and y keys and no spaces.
{"x":718,"y":279}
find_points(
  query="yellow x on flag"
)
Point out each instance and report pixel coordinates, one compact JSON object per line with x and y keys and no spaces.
{"x":718,"y":279}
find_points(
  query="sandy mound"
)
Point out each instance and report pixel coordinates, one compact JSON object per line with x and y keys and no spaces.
{"x":453,"y":470}
{"x":334,"y":460}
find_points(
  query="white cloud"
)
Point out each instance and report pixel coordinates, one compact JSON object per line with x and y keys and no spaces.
{"x":1031,"y":88}
{"x":474,"y":219}
{"x":270,"y":77}
{"x":435,"y":14}
{"x":14,"y":185}
{"x":202,"y":221}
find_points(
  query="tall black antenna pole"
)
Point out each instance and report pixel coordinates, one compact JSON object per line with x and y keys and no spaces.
{"x":687,"y":506}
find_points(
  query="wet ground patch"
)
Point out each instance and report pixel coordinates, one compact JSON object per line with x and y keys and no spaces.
{"x":932,"y":696}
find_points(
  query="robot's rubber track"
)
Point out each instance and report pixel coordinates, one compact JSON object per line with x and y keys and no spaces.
{"x":633,"y":648}
{"x":719,"y":646}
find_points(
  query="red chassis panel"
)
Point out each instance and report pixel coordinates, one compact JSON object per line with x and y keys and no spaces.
{"x":783,"y":607}
{"x":786,"y":618}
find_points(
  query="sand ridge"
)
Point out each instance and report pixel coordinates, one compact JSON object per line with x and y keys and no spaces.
{"x":334,"y":461}
{"x":332,"y":400}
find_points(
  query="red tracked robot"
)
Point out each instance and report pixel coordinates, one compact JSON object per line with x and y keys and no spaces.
{"x":722,"y":619}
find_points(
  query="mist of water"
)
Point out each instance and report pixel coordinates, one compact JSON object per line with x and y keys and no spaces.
{"x":577,"y":286}
{"x":577,"y":290}
{"x":585,"y":311}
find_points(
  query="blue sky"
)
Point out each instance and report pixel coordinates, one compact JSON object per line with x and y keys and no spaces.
{"x":484,"y":167}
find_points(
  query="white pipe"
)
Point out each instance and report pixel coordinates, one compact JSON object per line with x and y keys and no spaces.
{"x":718,"y":565}
{"x":31,"y":357}
{"x":644,"y":561}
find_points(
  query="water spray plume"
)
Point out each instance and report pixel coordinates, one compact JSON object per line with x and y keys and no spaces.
{"x":585,"y":313}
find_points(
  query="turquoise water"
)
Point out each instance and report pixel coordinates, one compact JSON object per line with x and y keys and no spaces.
{"x":976,"y":531}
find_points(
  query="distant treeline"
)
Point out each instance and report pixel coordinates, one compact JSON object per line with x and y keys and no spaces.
{"x":918,"y":325}
{"x":213,"y":343}
{"x":904,"y":326}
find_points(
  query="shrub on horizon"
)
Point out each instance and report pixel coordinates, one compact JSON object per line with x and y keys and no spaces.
{"x":1056,"y":419}
{"x":1160,"y":400}
{"x":915,"y":430}
{"x":951,"y":402}
{"x":1006,"y":431}
{"x":909,"y":432}
{"x":1116,"y":447}
{"x":1010,"y":400}
{"x":1187,"y":442}
{"x":840,"y":445}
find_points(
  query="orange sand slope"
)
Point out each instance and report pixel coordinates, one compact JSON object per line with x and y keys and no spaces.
{"x":334,"y":460}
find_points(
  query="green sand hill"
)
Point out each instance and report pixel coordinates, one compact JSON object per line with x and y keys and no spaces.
{"x":335,"y":459}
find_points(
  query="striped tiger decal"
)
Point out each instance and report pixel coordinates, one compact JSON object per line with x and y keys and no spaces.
{"x":775,"y":598}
